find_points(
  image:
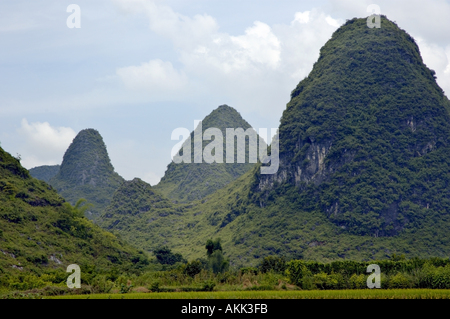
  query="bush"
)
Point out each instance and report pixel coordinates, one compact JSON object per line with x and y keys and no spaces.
{"x":155,"y":286}
{"x":440,"y":278}
{"x":325,"y":281}
{"x":101,"y":284}
{"x":27,"y":282}
{"x":357,"y":281}
{"x":400,"y":281}
{"x":193,"y":268}
{"x":217,"y":262}
{"x":208,"y":285}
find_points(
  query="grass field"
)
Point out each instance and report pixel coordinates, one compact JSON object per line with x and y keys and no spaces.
{"x":305,"y":294}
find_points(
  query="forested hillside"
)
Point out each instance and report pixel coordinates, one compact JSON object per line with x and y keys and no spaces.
{"x":40,"y":233}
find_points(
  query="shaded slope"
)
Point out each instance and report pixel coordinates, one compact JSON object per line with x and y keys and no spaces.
{"x":40,"y":233}
{"x":191,"y":181}
{"x":45,"y":172}
{"x":86,"y":172}
{"x":141,"y":215}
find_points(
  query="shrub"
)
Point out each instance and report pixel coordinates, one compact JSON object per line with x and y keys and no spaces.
{"x":217,"y":262}
{"x":400,"y":281}
{"x":193,"y":268}
{"x":357,"y":281}
{"x":440,"y":278}
{"x":26,"y":282}
{"x":208,"y":285}
{"x":325,"y":281}
{"x":165,"y":256}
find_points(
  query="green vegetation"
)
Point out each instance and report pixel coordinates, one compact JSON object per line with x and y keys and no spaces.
{"x":366,"y":135}
{"x":363,"y":168}
{"x":165,"y":256}
{"x":187,"y":182}
{"x":403,"y":278}
{"x":45,"y":172}
{"x":363,"y":179}
{"x":86,"y":172}
{"x":41,"y":234}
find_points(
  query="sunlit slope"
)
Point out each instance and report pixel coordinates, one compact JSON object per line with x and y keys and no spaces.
{"x":39,"y":232}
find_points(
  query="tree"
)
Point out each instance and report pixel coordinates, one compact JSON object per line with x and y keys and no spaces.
{"x":213,"y":245}
{"x":275,"y":263}
{"x":165,"y":256}
{"x":216,"y":261}
{"x":79,"y":209}
{"x":194,"y":267}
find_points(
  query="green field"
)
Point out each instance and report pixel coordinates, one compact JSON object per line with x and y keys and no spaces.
{"x":305,"y":294}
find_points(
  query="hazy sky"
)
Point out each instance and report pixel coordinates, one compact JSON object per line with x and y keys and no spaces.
{"x":136,"y":70}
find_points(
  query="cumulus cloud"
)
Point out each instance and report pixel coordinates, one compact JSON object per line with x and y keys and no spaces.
{"x":257,"y":70}
{"x":254,"y":71}
{"x":44,"y":144}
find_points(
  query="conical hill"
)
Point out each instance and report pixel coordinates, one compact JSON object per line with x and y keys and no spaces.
{"x":87,"y":172}
{"x":366,"y":136}
{"x":192,"y":181}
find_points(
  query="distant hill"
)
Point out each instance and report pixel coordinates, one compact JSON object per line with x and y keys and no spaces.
{"x":45,"y":172}
{"x":191,"y":181}
{"x":137,"y":211}
{"x":40,"y":233}
{"x":87,"y":172}
{"x":364,"y":167}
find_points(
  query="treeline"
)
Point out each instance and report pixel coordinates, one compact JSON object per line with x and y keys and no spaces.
{"x":171,"y":272}
{"x":398,"y":272}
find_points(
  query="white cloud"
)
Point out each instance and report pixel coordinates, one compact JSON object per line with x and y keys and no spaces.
{"x":260,"y":68}
{"x":182,"y":30}
{"x":257,"y":49}
{"x":155,"y":77}
{"x":44,"y":144}
{"x":301,"y":17}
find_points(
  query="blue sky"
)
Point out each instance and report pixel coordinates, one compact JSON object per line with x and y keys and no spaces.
{"x":138,"y":69}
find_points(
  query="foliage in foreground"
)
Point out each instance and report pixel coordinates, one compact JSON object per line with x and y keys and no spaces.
{"x":397,"y":273}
